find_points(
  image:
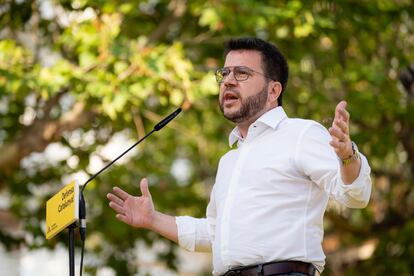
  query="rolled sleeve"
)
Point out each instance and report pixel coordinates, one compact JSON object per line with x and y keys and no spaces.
{"x":357,"y":194}
{"x":318,"y":160}
{"x":193,"y":233}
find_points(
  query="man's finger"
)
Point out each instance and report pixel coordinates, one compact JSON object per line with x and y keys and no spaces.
{"x":344,"y":114}
{"x":341,"y":105}
{"x":340,"y":111}
{"x":117,"y":208}
{"x":334,"y":131}
{"x":114,"y":198}
{"x":337,"y":145}
{"x":122,"y":218}
{"x":342,"y":125}
{"x":144,"y":188}
{"x":121,"y":193}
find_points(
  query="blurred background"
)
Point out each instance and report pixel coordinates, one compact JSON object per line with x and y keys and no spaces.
{"x":82,"y":80}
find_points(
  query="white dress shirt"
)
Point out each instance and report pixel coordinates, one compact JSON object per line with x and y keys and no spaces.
{"x":270,"y":194}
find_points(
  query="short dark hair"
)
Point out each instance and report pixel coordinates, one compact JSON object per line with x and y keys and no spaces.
{"x":275,"y":64}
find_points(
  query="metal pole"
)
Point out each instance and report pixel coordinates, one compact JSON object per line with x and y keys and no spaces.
{"x":72,"y":249}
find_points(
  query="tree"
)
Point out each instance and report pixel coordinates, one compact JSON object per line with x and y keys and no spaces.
{"x":77,"y":75}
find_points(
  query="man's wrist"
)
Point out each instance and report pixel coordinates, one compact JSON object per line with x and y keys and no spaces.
{"x":351,"y":158}
{"x":152,"y":225}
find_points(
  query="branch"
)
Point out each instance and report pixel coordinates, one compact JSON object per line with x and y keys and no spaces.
{"x":351,"y":255}
{"x":178,"y":8}
{"x":53,"y":101}
{"x":9,"y":221}
{"x":139,"y":124}
{"x":36,"y":137}
{"x":343,"y":225}
{"x":407,"y":139}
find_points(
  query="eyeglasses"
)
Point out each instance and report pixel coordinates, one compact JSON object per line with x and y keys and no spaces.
{"x":240,"y":73}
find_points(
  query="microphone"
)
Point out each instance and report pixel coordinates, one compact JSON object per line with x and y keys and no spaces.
{"x":167,"y":119}
{"x":82,"y":207}
{"x":157,"y":127}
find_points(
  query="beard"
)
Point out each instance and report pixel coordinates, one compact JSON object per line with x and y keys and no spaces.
{"x":250,"y":106}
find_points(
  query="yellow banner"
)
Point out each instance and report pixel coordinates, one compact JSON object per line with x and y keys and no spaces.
{"x":62,"y":209}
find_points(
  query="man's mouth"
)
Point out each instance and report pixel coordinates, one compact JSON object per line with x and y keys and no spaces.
{"x":230,"y":98}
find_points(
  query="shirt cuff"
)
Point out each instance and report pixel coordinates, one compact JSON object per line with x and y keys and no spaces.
{"x":360,"y":189}
{"x":186,"y":232}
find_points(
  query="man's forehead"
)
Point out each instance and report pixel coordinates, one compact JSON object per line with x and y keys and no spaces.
{"x":250,"y":58}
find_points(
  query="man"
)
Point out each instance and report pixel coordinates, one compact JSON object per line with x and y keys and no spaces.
{"x":265,"y":215}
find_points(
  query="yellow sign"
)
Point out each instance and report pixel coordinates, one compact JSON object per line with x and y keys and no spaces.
{"x":62,"y":209}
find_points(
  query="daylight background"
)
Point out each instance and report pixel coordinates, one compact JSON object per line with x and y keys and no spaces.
{"x":82,"y":80}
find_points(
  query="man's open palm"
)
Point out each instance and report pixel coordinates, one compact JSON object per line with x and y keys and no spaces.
{"x":137,"y":211}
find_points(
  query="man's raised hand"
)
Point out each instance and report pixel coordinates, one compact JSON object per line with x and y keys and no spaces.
{"x":341,"y":141}
{"x":137,"y":211}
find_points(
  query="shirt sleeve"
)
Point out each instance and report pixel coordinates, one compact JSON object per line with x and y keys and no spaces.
{"x":197,"y":234}
{"x":317,"y":159}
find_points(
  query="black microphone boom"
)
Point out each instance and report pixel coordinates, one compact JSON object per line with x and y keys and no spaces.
{"x":167,"y":119}
{"x":157,"y":127}
{"x":82,"y":205}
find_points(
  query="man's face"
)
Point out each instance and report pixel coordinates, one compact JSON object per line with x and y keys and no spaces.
{"x":242,"y":101}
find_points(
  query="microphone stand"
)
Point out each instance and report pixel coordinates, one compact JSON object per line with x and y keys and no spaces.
{"x":72,"y":249}
{"x":82,"y":205}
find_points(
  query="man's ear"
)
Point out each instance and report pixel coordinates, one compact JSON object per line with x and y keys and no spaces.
{"x":275,"y":89}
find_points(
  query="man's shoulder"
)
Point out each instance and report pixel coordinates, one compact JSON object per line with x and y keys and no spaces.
{"x":229,"y":154}
{"x":299,"y":123}
{"x":306,"y":129}
{"x":228,"y":158}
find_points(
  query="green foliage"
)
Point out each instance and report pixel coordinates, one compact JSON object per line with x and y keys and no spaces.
{"x":81,"y":72}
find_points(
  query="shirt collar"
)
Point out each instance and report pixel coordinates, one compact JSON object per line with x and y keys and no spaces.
{"x":271,"y":118}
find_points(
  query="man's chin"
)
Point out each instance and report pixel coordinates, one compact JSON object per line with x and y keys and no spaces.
{"x":231,"y":113}
{"x":232,"y":116}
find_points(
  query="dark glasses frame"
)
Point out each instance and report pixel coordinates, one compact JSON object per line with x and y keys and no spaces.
{"x":240,"y":73}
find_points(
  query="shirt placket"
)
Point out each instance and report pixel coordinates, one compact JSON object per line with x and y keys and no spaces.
{"x":229,"y":203}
